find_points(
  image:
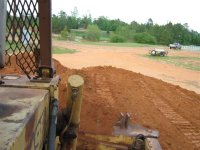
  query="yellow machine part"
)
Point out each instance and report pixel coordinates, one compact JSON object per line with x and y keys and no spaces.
{"x":24,"y":118}
{"x":24,"y":113}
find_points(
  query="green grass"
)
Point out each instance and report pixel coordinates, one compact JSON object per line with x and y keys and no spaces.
{"x":78,"y":32}
{"x":104,"y":40}
{"x":119,"y":44}
{"x":57,"y":50}
{"x":192,"y":63}
{"x":13,"y":45}
{"x":82,"y":32}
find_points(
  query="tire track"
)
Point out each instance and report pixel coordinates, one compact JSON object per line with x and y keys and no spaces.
{"x":103,"y":90}
{"x":188,"y":97}
{"x":191,"y":133}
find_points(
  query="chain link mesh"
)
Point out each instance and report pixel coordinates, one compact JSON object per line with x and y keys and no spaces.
{"x":22,"y":34}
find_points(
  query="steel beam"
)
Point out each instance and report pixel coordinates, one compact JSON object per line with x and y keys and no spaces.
{"x":3,"y":9}
{"x":45,"y":33}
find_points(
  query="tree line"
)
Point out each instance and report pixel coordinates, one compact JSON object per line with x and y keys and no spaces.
{"x":120,"y":31}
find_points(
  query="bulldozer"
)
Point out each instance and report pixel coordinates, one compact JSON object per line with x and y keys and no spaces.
{"x":29,"y":113}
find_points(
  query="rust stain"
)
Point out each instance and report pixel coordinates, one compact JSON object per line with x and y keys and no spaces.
{"x":16,"y":94}
{"x":29,"y":132}
{"x":7,"y":110}
{"x":13,"y":121}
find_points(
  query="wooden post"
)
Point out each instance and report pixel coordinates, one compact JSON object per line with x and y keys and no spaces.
{"x":74,"y":101}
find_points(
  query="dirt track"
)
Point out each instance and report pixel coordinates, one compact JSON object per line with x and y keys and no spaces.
{"x":130,"y":59}
{"x":174,"y":111}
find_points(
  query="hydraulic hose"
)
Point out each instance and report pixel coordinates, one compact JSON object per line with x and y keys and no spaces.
{"x":52,"y":128}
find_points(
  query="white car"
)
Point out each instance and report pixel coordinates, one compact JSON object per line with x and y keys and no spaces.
{"x":175,"y":46}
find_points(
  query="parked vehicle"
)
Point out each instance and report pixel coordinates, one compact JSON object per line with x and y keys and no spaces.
{"x":158,"y":52}
{"x":175,"y":46}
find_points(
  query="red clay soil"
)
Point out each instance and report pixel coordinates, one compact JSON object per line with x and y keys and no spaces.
{"x":155,"y":104}
{"x":174,"y":111}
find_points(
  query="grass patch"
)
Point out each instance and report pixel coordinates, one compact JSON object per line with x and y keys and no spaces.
{"x":82,"y":33}
{"x":104,"y":40}
{"x":13,"y":45}
{"x":192,"y":63}
{"x":119,"y":44}
{"x":57,"y":50}
{"x":78,"y":32}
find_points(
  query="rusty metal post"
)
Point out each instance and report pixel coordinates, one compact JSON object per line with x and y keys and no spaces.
{"x":2,"y":31}
{"x":74,"y":101}
{"x":45,"y":33}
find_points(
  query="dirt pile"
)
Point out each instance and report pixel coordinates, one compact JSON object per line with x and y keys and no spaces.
{"x":174,"y":111}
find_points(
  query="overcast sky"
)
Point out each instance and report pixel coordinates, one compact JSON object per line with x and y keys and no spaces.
{"x":161,"y":11}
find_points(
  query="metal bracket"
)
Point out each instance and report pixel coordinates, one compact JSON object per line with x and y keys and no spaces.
{"x":124,"y":127}
{"x":123,"y":121}
{"x":74,"y":93}
{"x":44,"y":75}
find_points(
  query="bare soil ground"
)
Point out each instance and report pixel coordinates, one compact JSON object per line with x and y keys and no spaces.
{"x":130,"y":59}
{"x":155,"y":104}
{"x":174,"y":111}
{"x":108,"y":90}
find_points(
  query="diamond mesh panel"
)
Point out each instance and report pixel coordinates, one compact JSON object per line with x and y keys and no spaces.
{"x":22,"y":34}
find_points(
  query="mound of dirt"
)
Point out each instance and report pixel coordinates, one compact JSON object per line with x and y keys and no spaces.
{"x":174,"y":111}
